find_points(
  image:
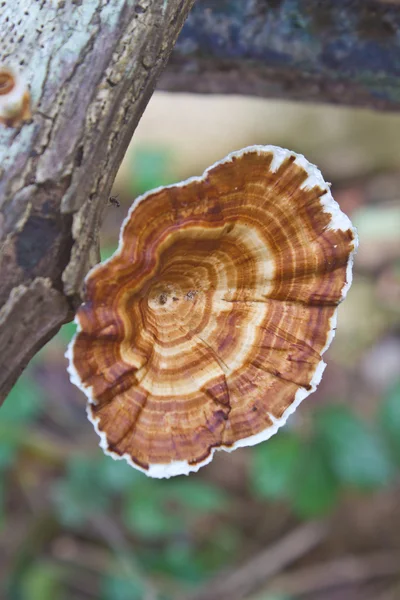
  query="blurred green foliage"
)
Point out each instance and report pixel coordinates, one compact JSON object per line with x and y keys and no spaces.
{"x":24,"y":403}
{"x":107,"y":251}
{"x":268,"y":481}
{"x":390,"y":420}
{"x":308,"y":472}
{"x":342,"y":451}
{"x":183,"y":529}
{"x":151,"y":168}
{"x":118,"y":588}
{"x":314,"y":491}
{"x":355,"y":452}
{"x":67,"y":332}
{"x":81,"y":492}
{"x":41,"y":582}
{"x":271,"y":597}
{"x":153,"y":510}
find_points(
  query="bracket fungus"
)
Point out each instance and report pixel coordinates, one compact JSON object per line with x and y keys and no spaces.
{"x":15,"y":102}
{"x":205,"y":329}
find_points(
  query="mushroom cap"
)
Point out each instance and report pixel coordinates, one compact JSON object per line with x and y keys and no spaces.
{"x":205,"y":329}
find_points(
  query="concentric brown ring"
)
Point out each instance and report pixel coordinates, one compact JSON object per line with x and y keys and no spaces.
{"x":206,"y":328}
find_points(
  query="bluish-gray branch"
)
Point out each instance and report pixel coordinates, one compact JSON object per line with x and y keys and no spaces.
{"x":341,"y":51}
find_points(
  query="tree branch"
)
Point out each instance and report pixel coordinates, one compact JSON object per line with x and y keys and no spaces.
{"x":341,"y":51}
{"x":92,"y":67}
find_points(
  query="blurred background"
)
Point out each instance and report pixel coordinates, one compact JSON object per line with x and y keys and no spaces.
{"x":314,"y":513}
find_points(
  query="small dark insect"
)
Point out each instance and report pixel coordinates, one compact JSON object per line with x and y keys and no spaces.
{"x":113,"y":200}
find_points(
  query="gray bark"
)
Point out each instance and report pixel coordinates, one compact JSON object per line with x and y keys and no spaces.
{"x":91,"y":67}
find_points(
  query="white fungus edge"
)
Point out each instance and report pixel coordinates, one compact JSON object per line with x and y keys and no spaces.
{"x":338,"y":221}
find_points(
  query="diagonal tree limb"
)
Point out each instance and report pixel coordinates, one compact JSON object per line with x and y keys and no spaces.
{"x":91,"y":67}
{"x":340,"y":51}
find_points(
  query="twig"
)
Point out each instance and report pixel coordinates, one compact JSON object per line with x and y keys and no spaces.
{"x":240,"y":582}
{"x":115,"y":539}
{"x":391,"y":593}
{"x":348,"y":570}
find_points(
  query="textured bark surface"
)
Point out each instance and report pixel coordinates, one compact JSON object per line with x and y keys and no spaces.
{"x":91,"y":67}
{"x":341,"y":51}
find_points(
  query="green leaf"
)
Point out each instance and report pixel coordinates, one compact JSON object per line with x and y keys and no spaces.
{"x":155,"y":508}
{"x":196,"y":495}
{"x":150,"y":169}
{"x":8,"y":451}
{"x":355,"y":452}
{"x":117,"y":475}
{"x":178,"y":559}
{"x":2,"y":497}
{"x":119,"y":588}
{"x":81,"y":493}
{"x":273,"y":466}
{"x":219,"y":549}
{"x":226,"y":539}
{"x":390,"y":419}
{"x":144,"y":513}
{"x":287,"y":468}
{"x":24,"y":403}
{"x":107,"y":251}
{"x":314,"y":491}
{"x":67,"y":332}
{"x":41,"y":582}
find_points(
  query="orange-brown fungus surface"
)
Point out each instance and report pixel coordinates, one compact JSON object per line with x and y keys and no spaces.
{"x":14,"y":98}
{"x":207,"y":326}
